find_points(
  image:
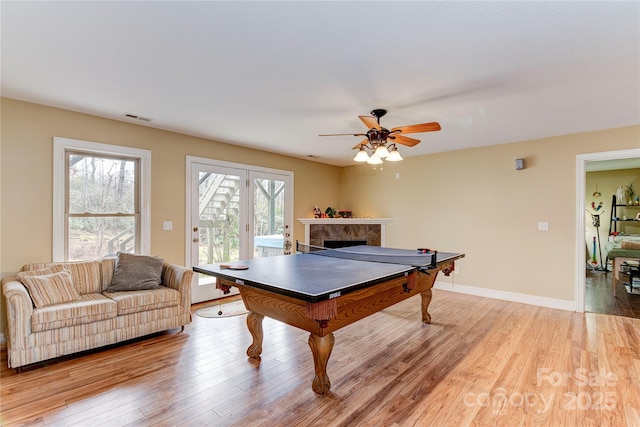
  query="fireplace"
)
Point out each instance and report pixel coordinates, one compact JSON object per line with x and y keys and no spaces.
{"x":332,"y":244}
{"x":347,"y":231}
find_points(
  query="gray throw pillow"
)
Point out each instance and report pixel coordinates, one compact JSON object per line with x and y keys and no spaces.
{"x":136,"y":272}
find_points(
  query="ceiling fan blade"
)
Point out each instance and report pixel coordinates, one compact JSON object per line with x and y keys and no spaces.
{"x":424,"y":127}
{"x":404,"y":140}
{"x":370,"y":122}
{"x":344,"y":134}
{"x":361,"y":143}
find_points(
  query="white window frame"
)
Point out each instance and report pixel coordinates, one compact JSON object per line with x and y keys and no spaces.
{"x":60,"y":147}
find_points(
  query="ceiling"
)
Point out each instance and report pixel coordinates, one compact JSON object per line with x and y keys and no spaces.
{"x":274,"y":75}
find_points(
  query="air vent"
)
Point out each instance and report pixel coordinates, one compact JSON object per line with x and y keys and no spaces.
{"x":136,"y":117}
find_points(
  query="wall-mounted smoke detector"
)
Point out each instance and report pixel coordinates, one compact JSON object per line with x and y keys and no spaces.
{"x":136,"y":117}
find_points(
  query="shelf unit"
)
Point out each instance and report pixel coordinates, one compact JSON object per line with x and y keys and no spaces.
{"x":616,"y":210}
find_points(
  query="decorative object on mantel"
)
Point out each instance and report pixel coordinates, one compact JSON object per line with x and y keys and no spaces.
{"x":331,"y":212}
{"x":382,"y":141}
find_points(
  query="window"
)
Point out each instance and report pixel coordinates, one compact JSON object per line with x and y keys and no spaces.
{"x":100,"y":200}
{"x":102,"y":209}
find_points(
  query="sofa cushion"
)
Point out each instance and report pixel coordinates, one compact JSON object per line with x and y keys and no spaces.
{"x":90,"y":308}
{"x":136,"y":272}
{"x":107,"y":265}
{"x":35,"y":266}
{"x":134,"y":302}
{"x":40,"y":271}
{"x":85,"y":274}
{"x":53,"y":287}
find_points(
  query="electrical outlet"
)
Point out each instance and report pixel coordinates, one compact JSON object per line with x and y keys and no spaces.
{"x":543,"y":226}
{"x":456,"y":270}
{"x":167,"y":225}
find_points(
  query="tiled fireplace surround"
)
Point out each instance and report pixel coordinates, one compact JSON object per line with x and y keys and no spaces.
{"x":319,"y":230}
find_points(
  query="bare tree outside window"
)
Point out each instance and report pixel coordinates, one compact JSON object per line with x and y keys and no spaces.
{"x":102,"y":205}
{"x":268,"y":220}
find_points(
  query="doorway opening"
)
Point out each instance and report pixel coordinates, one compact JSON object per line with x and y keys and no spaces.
{"x":234,"y":212}
{"x":600,"y":277}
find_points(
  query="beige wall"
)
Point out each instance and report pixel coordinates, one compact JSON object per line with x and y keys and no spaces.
{"x":607,"y":183}
{"x":27,"y":167}
{"x":474,"y":201}
{"x":471,"y":201}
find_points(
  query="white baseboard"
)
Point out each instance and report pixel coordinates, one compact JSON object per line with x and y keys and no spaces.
{"x":508,"y":296}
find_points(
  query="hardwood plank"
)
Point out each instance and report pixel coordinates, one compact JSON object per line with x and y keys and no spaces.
{"x":481,"y":368}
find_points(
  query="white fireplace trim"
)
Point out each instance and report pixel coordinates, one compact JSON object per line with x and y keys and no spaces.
{"x":382,"y":221}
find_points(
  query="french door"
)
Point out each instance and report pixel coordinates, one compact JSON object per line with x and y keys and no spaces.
{"x":235,"y":212}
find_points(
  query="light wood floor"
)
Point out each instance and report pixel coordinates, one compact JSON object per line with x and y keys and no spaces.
{"x":481,"y":362}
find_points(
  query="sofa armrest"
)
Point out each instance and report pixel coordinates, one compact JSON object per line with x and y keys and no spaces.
{"x":19,"y":310}
{"x":179,"y":278}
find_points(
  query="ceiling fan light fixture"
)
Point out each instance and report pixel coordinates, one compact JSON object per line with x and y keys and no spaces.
{"x":381,"y":142}
{"x":374,"y":160}
{"x":361,"y":156}
{"x":381,"y":151}
{"x":394,"y":155}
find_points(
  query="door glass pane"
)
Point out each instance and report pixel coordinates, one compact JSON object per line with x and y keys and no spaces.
{"x":268,"y":219}
{"x":219,"y":218}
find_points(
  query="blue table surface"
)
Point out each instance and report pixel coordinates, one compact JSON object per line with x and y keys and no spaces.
{"x":312,"y":277}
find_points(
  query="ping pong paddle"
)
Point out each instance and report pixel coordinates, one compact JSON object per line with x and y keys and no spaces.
{"x":234,"y":267}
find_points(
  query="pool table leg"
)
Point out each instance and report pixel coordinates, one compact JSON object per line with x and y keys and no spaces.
{"x":321,"y":348}
{"x":426,"y":300}
{"x":254,"y":323}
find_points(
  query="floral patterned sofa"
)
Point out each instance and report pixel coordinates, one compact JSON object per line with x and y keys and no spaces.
{"x":55,"y":309}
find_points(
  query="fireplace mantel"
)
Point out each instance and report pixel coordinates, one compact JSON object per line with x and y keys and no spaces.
{"x":378,"y":228}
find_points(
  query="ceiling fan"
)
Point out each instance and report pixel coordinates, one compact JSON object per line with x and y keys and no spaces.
{"x":382,"y":141}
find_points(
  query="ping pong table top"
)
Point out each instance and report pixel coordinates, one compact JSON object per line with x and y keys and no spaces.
{"x":326,"y":274}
